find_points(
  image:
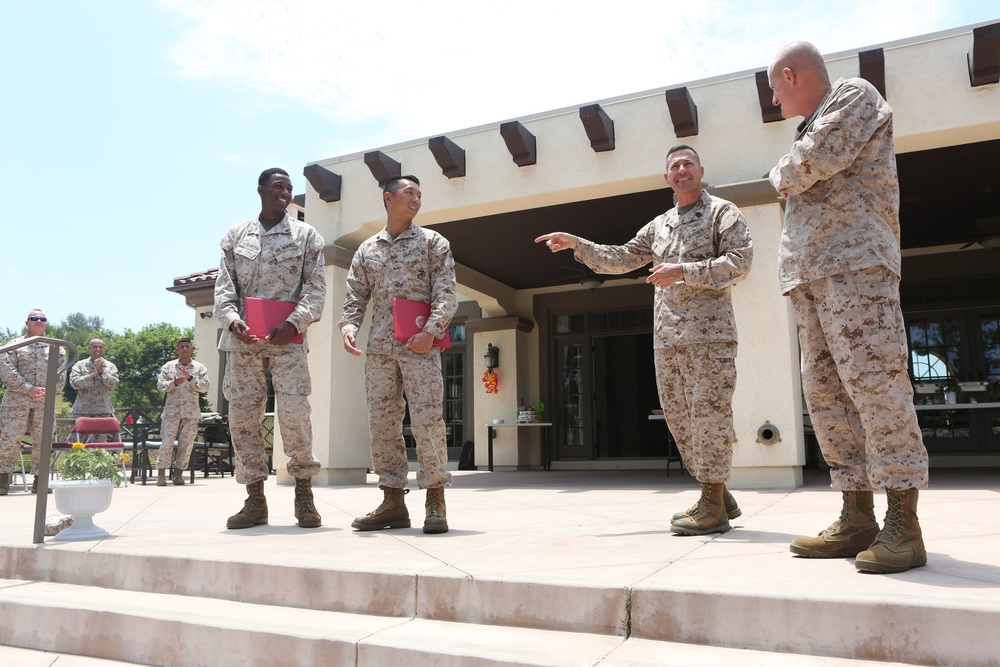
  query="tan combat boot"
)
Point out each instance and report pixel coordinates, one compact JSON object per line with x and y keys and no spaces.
{"x":254,"y":512}
{"x":34,"y":485}
{"x":305,"y":508}
{"x":178,"y":477}
{"x":710,"y":515}
{"x":900,"y":545}
{"x":161,"y":477}
{"x":4,"y":483}
{"x":849,"y":535}
{"x":732,"y":509}
{"x":436,"y":520}
{"x":392,"y":513}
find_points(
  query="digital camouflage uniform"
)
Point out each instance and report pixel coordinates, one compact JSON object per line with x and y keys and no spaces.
{"x":93,"y":394}
{"x":694,"y":335}
{"x":181,"y":411}
{"x":283,"y":264}
{"x":416,"y":265}
{"x":839,"y":261}
{"x":22,"y":370}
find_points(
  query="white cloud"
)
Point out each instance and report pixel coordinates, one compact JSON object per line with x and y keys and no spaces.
{"x":439,"y":66}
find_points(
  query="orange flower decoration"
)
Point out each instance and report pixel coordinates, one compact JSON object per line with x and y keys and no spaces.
{"x":491,"y":381}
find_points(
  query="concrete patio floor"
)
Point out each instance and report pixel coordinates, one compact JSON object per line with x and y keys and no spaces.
{"x":558,"y":551}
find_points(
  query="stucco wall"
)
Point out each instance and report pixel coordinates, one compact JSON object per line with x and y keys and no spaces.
{"x":767,"y":385}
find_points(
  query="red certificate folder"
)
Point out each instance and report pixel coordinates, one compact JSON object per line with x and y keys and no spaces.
{"x":410,"y":317}
{"x":262,"y":315}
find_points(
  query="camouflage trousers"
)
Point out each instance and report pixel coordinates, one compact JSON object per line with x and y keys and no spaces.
{"x":245,"y":385}
{"x":387,"y":376}
{"x":696,"y":385}
{"x":852,"y":345}
{"x":184,"y":431}
{"x":15,"y":421}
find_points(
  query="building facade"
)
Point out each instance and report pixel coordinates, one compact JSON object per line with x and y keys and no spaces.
{"x":582,"y":343}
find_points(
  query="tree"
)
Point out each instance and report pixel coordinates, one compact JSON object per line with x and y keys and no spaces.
{"x":79,"y":329}
{"x":139,"y":357}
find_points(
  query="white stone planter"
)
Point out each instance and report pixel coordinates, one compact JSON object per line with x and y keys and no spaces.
{"x":82,"y":499}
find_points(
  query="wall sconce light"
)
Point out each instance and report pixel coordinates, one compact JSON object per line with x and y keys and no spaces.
{"x":492,"y":357}
{"x":205,"y":314}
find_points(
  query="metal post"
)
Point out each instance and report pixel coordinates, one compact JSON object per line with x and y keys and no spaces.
{"x":45,"y":458}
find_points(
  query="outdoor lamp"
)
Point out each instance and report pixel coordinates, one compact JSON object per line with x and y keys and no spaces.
{"x":492,"y":357}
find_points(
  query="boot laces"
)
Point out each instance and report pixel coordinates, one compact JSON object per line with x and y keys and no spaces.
{"x":845,"y":513}
{"x":701,"y":508}
{"x":384,"y":507}
{"x":434,"y":506}
{"x":252,"y":504}
{"x":842,"y":520}
{"x":305,"y":501}
{"x":893,"y":520}
{"x":387,"y":505}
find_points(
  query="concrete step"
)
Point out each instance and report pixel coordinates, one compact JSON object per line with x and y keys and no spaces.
{"x":688,"y":606}
{"x":126,"y":627}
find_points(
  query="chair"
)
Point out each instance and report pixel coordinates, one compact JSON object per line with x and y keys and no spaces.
{"x":218,"y":446}
{"x":85,"y":428}
{"x":56,"y":449}
{"x":25,"y":450}
{"x":142,"y":425}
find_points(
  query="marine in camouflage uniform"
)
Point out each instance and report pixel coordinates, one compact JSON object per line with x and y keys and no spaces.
{"x":93,"y":389}
{"x":273,"y":256}
{"x":182,"y":380}
{"x":839,"y":262}
{"x":24,"y":372}
{"x":408,"y":262}
{"x":704,"y":248}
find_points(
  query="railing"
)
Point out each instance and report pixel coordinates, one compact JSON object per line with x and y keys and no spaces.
{"x":48,"y":420}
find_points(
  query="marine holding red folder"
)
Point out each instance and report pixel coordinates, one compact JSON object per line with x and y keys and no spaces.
{"x":403,"y":262}
{"x":272,"y":266}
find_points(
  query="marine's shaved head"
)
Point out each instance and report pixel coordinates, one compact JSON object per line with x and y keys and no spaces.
{"x":803,"y":58}
{"x":799,"y":79}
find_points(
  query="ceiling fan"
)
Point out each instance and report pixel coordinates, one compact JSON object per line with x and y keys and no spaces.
{"x":988,"y":227}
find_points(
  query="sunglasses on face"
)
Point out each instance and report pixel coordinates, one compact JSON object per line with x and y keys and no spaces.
{"x":38,"y":319}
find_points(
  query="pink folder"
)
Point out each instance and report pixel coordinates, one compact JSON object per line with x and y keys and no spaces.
{"x":410,"y":317}
{"x":262,"y":315}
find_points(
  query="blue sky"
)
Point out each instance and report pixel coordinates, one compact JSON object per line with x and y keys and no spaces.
{"x":134,"y":130}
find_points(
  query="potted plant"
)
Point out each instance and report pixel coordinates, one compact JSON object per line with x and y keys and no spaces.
{"x":88,"y":478}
